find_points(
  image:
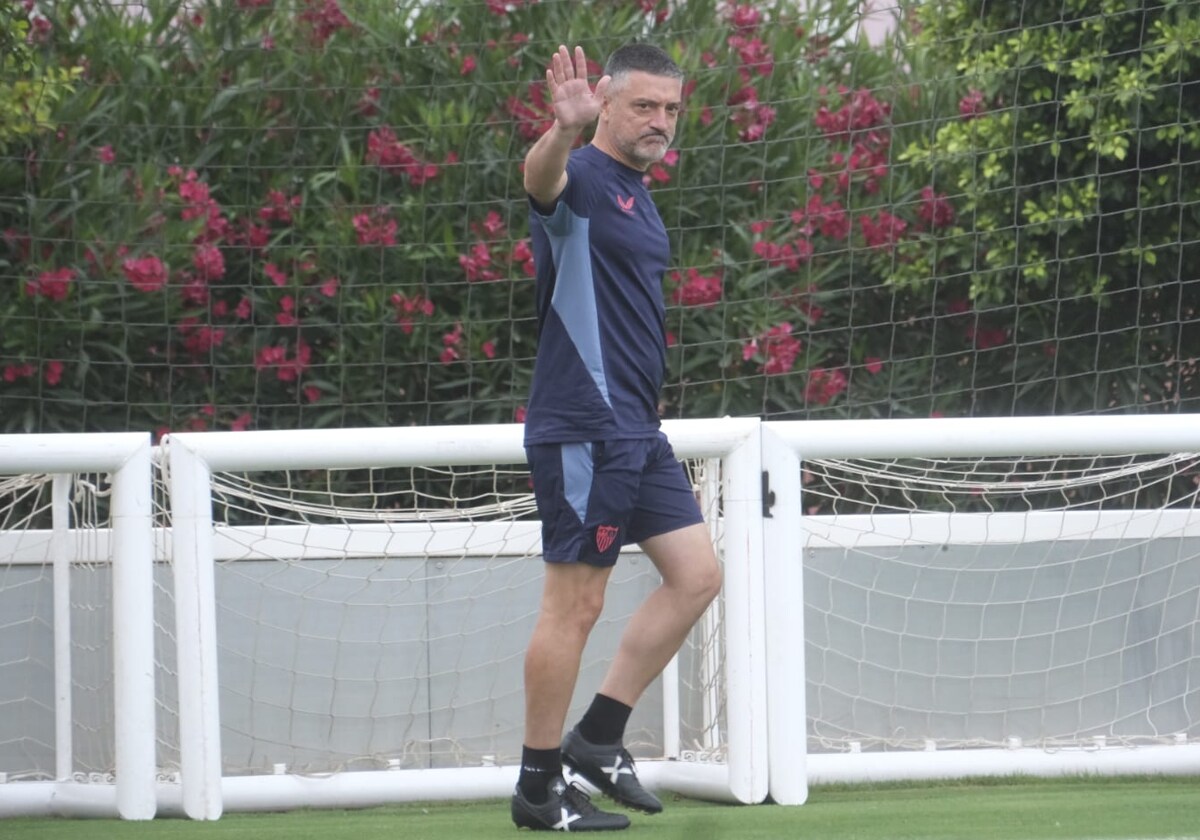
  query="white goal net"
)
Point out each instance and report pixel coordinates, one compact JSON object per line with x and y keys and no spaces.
{"x":1045,"y":599}
{"x":376,"y":619}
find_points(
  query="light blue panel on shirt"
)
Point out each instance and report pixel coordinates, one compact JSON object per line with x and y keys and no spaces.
{"x":577,"y":476}
{"x":574,"y":298}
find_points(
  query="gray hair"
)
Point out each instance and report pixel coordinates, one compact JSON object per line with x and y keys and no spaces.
{"x":645,"y":58}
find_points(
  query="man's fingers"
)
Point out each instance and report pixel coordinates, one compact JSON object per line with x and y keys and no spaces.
{"x":563,"y":69}
{"x":564,"y":59}
{"x":580,"y":64}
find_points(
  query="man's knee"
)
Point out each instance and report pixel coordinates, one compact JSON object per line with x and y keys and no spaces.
{"x":706,"y":582}
{"x":574,"y":603}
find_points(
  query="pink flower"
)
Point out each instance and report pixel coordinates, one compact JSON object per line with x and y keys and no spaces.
{"x":408,"y":308}
{"x":194,"y":193}
{"x":697,"y":289}
{"x":105,"y":154}
{"x":277,"y":276}
{"x":376,"y":228}
{"x":521,"y":252}
{"x":39,"y":31}
{"x":389,"y":154}
{"x":198,"y":204}
{"x":279,"y":207}
{"x":873,"y":364}
{"x":535,"y":117}
{"x":754,"y":54}
{"x":312,"y":393}
{"x":744,"y":17}
{"x":200,"y":340}
{"x":330,"y":287}
{"x":830,"y":219}
{"x":492,"y":226}
{"x":242,"y":422}
{"x":468,"y":66}
{"x":452,"y":344}
{"x":489,"y":349}
{"x":519,"y":414}
{"x":936,"y":211}
{"x":778,"y":346}
{"x":22,"y":371}
{"x":270,"y":357}
{"x":985,"y":338}
{"x":861,"y":112}
{"x":195,"y":289}
{"x":972,"y":105}
{"x":883,"y":232}
{"x":325,"y":18}
{"x":146,"y":274}
{"x":209,"y":262}
{"x":823,"y":385}
{"x":788,"y":255}
{"x":53,"y":372}
{"x":478,"y":264}
{"x":290,"y":370}
{"x":286,"y":316}
{"x":52,"y":285}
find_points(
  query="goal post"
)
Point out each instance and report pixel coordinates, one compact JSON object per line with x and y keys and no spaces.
{"x":58,"y":486}
{"x":990,"y":596}
{"x":731,"y":739}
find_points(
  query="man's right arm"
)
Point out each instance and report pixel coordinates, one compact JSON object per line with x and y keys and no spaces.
{"x":576,"y":106}
{"x":546,"y":165}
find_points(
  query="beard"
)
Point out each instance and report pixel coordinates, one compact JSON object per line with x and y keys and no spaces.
{"x":647,"y":149}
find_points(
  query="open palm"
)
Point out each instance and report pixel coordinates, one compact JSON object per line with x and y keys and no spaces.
{"x":575,"y":103}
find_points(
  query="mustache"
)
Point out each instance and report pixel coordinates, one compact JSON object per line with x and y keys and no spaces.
{"x":656,"y":134}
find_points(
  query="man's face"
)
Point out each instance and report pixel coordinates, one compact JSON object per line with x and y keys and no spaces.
{"x":639,"y":117}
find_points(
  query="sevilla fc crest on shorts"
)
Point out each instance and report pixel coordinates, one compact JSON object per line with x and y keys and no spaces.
{"x":605,"y":536}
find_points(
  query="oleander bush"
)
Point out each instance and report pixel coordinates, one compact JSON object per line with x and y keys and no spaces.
{"x":308,"y":213}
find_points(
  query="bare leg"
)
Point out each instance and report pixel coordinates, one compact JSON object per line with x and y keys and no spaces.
{"x":572,"y":597}
{"x":691,"y":578}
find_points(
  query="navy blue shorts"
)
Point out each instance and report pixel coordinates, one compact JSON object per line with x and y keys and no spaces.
{"x":594,"y":498}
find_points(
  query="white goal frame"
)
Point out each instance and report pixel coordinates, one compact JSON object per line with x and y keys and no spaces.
{"x":126,"y":457}
{"x":946,"y":438}
{"x":193,"y":458}
{"x":765,"y":535}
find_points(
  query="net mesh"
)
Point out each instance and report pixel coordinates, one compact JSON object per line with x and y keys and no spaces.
{"x":377,"y":619}
{"x":989,"y":602}
{"x":29,"y":635}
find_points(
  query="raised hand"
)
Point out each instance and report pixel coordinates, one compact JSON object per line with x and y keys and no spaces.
{"x":576,"y":105}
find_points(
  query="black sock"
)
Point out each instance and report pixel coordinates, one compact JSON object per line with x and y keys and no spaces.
{"x":538,"y":767}
{"x":604,"y":721}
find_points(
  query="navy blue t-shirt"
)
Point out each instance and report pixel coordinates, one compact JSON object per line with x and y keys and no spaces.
{"x":600,"y":255}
